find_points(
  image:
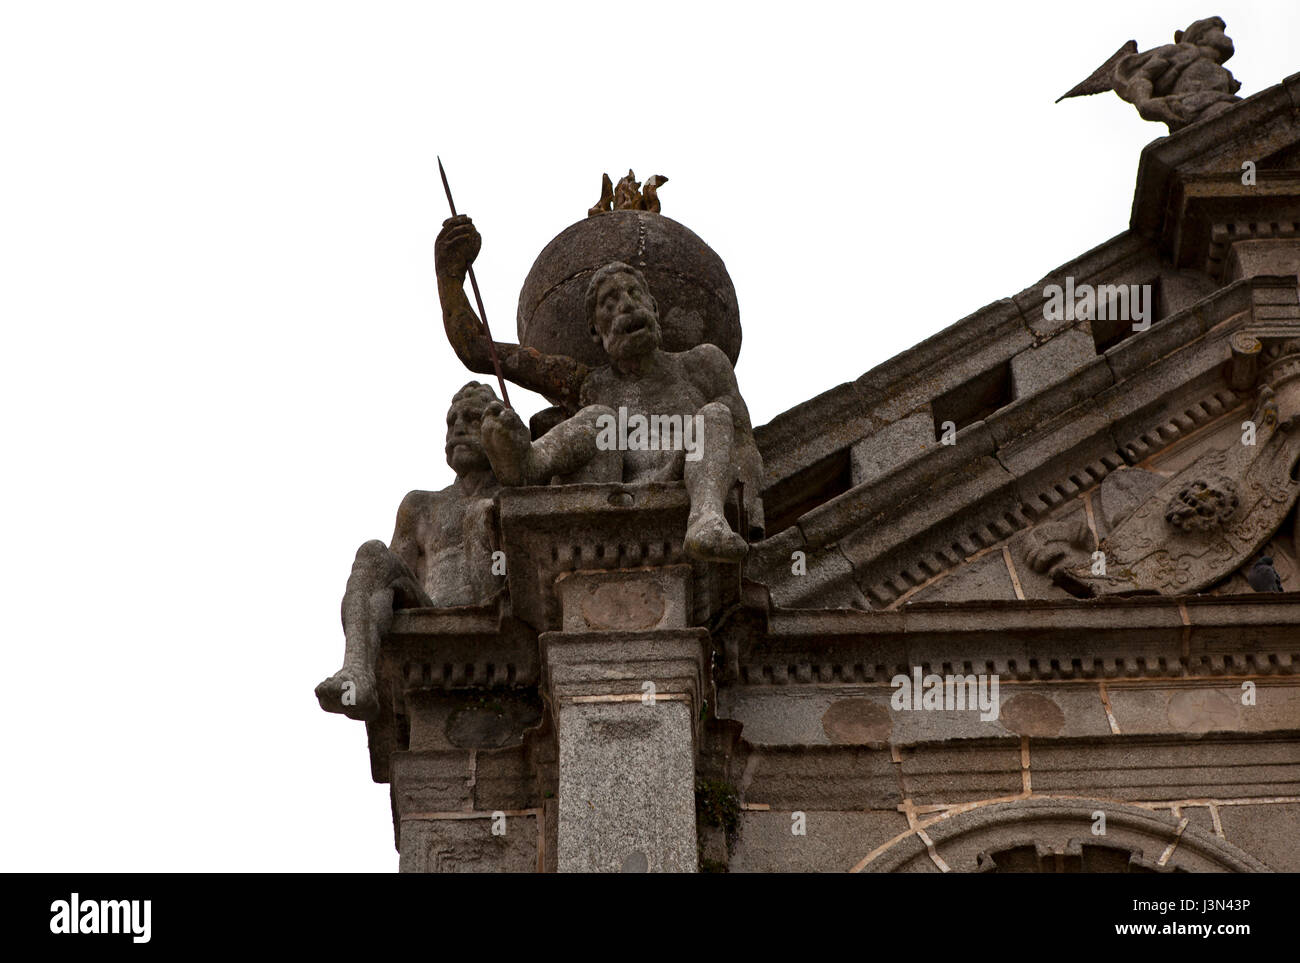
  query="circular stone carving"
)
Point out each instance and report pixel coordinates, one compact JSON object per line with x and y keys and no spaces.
{"x":624,"y":606}
{"x":1201,"y":710}
{"x":1031,"y":714}
{"x":857,"y":722}
{"x":1201,"y":505}
{"x":1243,"y":342}
{"x":1055,"y":823}
{"x":689,"y":282}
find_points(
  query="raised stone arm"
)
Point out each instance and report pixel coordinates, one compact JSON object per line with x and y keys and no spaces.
{"x":556,"y":377}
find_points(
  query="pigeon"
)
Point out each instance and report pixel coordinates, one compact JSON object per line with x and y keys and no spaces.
{"x":1263,"y":577}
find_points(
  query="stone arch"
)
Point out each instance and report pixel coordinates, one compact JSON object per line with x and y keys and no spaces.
{"x":1056,"y":835}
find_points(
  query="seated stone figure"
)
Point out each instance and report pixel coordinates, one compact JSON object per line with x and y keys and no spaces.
{"x":640,"y":379}
{"x":441,"y":555}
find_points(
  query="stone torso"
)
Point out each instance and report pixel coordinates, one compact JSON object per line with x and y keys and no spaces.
{"x":667,"y":389}
{"x":453,"y":533}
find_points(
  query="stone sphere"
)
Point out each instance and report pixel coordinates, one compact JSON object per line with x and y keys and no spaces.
{"x":689,"y":282}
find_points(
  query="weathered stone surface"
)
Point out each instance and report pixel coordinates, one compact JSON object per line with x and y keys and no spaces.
{"x":440,"y":720}
{"x":830,"y":777}
{"x":626,"y":600}
{"x":1032,"y":714}
{"x":1058,"y":836}
{"x":601,"y":663}
{"x":833,"y":841}
{"x":697,"y":300}
{"x":1194,"y":709}
{"x":934,"y":773}
{"x":437,"y":781}
{"x":627,"y":788}
{"x":886,"y":449}
{"x":468,"y":845}
{"x":1145,"y":768}
{"x":985,"y":578}
{"x":1043,"y":366}
{"x":857,"y":722}
{"x":1266,"y":830}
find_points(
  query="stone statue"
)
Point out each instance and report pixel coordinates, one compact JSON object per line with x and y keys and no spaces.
{"x":1178,"y":83}
{"x":628,"y":195}
{"x":441,"y":555}
{"x":639,"y":381}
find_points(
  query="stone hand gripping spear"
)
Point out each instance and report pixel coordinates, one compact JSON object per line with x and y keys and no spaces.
{"x":492,"y":348}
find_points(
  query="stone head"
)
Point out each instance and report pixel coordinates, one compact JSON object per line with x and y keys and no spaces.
{"x":1208,"y":33}
{"x":464,"y":445}
{"x":621,"y":313}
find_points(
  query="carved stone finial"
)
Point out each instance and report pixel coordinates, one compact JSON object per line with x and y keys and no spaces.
{"x":628,"y":194}
{"x":1178,"y":83}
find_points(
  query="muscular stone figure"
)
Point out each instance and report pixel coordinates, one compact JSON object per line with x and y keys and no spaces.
{"x":441,"y":555}
{"x":640,"y":378}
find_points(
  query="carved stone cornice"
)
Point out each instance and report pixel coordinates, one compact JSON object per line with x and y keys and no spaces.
{"x":1141,"y":637}
{"x":1173,"y":169}
{"x":547,"y":532}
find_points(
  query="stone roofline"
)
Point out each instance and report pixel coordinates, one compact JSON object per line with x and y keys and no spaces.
{"x":1253,"y":129}
{"x":1028,"y":457}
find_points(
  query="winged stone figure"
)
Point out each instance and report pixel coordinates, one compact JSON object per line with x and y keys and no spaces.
{"x":1178,"y":83}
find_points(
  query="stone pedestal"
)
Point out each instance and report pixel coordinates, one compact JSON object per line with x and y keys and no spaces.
{"x":627,"y":704}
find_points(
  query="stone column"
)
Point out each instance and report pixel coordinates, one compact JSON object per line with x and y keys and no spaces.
{"x":625,"y":678}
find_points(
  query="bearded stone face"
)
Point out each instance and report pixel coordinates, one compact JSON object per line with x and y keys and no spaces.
{"x":464,"y":445}
{"x":625,"y":319}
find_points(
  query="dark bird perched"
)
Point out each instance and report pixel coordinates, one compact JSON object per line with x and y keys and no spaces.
{"x":1263,"y":577}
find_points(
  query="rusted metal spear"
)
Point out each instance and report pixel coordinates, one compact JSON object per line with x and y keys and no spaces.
{"x":492,"y":345}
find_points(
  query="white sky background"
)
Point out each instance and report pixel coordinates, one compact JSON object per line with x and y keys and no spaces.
{"x":223,"y":363}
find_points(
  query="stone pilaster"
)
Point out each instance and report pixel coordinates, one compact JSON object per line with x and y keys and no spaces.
{"x":627,"y":701}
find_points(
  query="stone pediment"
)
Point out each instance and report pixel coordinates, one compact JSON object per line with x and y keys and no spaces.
{"x":1041,"y":407}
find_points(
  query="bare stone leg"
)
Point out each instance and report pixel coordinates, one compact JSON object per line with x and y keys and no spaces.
{"x":379,"y":579}
{"x":708,"y":482}
{"x":570,"y":451}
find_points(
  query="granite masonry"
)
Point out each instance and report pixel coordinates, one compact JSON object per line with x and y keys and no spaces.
{"x":775,"y":659}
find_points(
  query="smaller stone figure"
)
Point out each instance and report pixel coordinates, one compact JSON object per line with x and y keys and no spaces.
{"x":1178,"y":83}
{"x":441,"y":555}
{"x":628,"y":195}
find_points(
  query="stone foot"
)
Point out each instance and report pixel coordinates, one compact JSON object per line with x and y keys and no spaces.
{"x":351,"y":692}
{"x":710,"y":538}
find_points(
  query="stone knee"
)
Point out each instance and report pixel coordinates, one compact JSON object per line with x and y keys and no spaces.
{"x":369,"y":569}
{"x":373,"y":556}
{"x":715,"y":410}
